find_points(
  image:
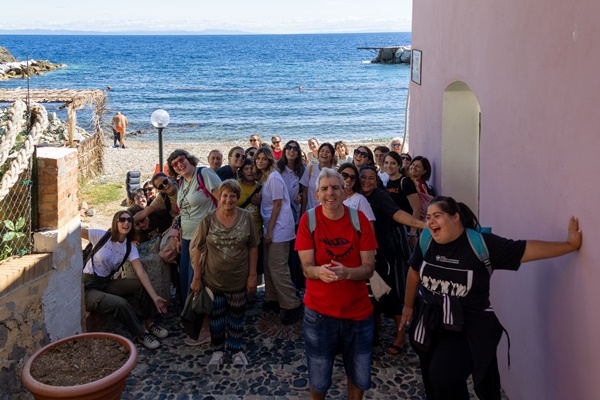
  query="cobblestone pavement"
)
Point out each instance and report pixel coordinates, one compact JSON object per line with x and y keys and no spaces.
{"x":276,"y":369}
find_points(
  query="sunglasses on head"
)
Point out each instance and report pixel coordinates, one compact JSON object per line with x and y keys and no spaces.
{"x":164,"y":184}
{"x":348,"y":176}
{"x":125,"y":219}
{"x":238,"y":155}
{"x":291,"y":147}
{"x":363,"y":154}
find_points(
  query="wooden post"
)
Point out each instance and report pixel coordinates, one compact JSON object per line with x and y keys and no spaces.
{"x":71,"y":122}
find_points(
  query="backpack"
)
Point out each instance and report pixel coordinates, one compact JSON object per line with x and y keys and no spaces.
{"x":201,"y":185}
{"x":475,"y":240}
{"x":90,"y":250}
{"x":312,"y":220}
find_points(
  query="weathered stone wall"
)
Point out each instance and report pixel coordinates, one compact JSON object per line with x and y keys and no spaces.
{"x":41,"y":294}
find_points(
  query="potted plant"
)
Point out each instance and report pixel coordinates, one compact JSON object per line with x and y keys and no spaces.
{"x":107,"y":386}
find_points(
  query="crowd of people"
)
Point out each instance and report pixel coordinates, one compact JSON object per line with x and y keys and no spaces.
{"x":334,"y":236}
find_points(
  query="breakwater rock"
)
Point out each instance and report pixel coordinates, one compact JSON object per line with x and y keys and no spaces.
{"x":391,"y":54}
{"x":10,"y":67}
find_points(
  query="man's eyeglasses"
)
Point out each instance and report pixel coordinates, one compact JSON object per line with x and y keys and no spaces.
{"x":348,"y":176}
{"x":125,"y":219}
{"x":363,"y":154}
{"x":238,"y":155}
{"x":294,"y":148}
{"x":179,"y":160}
{"x":164,"y":184}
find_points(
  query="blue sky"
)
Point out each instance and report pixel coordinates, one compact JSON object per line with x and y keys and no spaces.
{"x":256,"y":16}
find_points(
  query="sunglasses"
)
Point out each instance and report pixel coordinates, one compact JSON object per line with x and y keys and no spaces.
{"x":395,"y":144}
{"x":348,"y":176}
{"x":294,"y":148}
{"x":251,"y":154}
{"x":253,"y":140}
{"x":405,"y":158}
{"x":238,"y":155}
{"x":164,"y":184}
{"x":276,"y":142}
{"x":125,"y":219}
{"x":363,"y":154}
{"x":148,"y":189}
{"x":178,"y":160}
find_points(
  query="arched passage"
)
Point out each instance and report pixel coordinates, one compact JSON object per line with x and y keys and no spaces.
{"x":460,"y":144}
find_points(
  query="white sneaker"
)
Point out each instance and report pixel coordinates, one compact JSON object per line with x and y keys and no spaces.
{"x":216,"y":359}
{"x":203,"y":338}
{"x":148,"y":340}
{"x":158,"y":331}
{"x":239,"y":358}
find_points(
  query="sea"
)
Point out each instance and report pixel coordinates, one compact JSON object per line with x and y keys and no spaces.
{"x":227,"y":87}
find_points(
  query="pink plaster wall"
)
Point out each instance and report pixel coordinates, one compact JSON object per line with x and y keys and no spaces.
{"x":534,"y":67}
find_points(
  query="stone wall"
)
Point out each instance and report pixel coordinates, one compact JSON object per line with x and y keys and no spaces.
{"x":41,"y":294}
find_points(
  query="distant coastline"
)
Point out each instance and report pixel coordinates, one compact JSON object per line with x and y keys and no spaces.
{"x":205,"y":32}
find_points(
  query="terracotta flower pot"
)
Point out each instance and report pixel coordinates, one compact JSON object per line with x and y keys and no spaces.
{"x":107,"y":388}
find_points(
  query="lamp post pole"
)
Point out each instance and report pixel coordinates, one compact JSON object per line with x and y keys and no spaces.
{"x":160,"y":119}
{"x":160,"y":148}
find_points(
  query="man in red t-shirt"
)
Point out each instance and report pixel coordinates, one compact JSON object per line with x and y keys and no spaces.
{"x":337,"y":260}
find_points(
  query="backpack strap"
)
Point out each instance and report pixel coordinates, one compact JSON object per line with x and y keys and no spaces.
{"x":425,"y":241}
{"x":201,"y":185}
{"x":127,"y":251}
{"x":479,"y":248}
{"x":167,"y":201}
{"x":355,"y":220}
{"x":99,"y":244}
{"x":310,"y":171}
{"x":312,"y":220}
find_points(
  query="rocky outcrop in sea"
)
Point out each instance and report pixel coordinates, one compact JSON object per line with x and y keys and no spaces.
{"x":11,"y":68}
{"x":393,"y":55}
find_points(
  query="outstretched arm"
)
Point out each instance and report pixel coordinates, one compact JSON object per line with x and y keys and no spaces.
{"x":537,"y":249}
{"x":402,"y":217}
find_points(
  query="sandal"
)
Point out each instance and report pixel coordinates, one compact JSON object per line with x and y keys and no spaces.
{"x":394,"y":350}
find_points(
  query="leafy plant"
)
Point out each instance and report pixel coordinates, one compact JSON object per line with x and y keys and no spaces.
{"x":14,"y":229}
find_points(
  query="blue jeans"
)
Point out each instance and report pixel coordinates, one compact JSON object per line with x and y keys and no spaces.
{"x":186,"y":272}
{"x":324,"y":335}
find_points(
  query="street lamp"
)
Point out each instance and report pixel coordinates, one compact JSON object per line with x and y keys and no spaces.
{"x":160,"y":119}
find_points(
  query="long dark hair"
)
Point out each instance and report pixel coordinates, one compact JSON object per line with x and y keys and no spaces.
{"x":114,"y":231}
{"x":298,"y":165}
{"x":426,"y":167}
{"x":452,"y":207}
{"x":356,"y":187}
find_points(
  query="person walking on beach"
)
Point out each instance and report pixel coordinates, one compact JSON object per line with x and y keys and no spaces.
{"x":337,"y":257}
{"x":119,"y":124}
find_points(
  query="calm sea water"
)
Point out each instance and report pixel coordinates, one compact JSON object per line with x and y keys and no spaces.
{"x":228,"y":87}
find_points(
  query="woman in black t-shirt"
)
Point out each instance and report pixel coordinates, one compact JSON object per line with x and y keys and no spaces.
{"x":454,"y":330}
{"x":386,"y":211}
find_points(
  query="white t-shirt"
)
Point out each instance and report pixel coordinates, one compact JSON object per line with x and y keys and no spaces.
{"x":384,"y":177}
{"x":311,"y":184}
{"x":360,"y":202}
{"x":292,"y":182}
{"x":109,"y":256}
{"x":274,"y":189}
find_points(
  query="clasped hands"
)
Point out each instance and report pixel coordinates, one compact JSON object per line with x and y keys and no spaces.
{"x":332,"y":272}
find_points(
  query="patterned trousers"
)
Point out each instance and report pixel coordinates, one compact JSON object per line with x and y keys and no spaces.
{"x":227,"y":320}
